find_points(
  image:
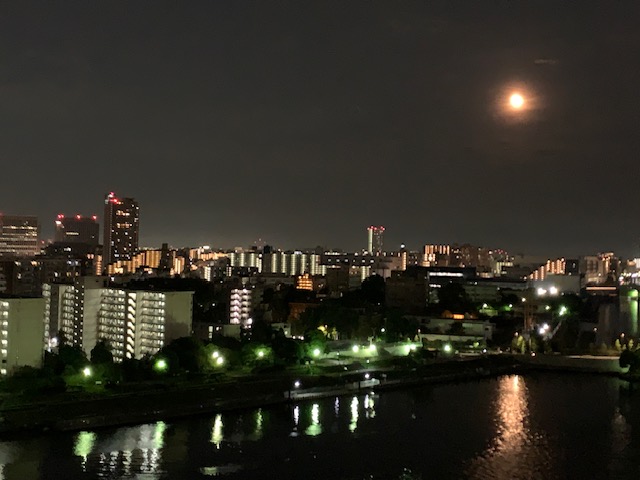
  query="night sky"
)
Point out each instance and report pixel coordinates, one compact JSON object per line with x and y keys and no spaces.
{"x":301,"y":123}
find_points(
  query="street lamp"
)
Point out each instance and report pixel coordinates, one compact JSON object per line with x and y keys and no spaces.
{"x":160,"y":365}
{"x":86,"y":371}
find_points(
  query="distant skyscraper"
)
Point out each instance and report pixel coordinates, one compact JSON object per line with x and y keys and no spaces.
{"x":18,"y":235}
{"x":375,"y":240}
{"x":121,"y":216}
{"x":77,"y":229}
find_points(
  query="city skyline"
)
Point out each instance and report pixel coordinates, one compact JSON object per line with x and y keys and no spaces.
{"x":47,"y":236}
{"x":301,"y":124}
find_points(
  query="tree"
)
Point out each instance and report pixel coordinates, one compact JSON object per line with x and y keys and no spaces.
{"x":186,"y":353}
{"x":399,"y":327}
{"x":630,"y":359}
{"x":373,"y":290}
{"x":456,"y":328}
{"x":453,"y":297}
{"x":333,"y":315}
{"x":72,"y":356}
{"x":518,"y":344}
{"x":101,"y":353}
{"x":286,"y":349}
{"x":261,"y":332}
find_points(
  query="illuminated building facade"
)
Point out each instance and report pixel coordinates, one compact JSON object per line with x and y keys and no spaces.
{"x":19,"y":235}
{"x":21,"y":333}
{"x":240,"y":306}
{"x":598,"y":268}
{"x":77,"y":229}
{"x":304,"y":282}
{"x":138,"y":322}
{"x":162,"y":259}
{"x":375,"y":240}
{"x":121,"y":228}
{"x":133,"y":322}
{"x":552,"y":267}
{"x":287,"y":263}
{"x":436,"y":255}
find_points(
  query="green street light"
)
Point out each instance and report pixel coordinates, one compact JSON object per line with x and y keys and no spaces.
{"x":260,"y":353}
{"x":161,"y":365}
{"x":447,"y":348}
{"x":86,"y":371}
{"x":316,"y":352}
{"x":215,"y":354}
{"x":219,"y":360}
{"x":355,"y":349}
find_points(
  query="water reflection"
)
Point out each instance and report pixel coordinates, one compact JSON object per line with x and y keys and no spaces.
{"x":315,"y":428}
{"x":512,"y":411}
{"x":128,"y":451}
{"x":369,"y":406}
{"x":83,"y":446}
{"x":5,"y":457}
{"x":259,"y":419}
{"x":296,"y":416}
{"x":354,"y":415}
{"x":502,"y":459}
{"x":620,"y":442}
{"x":217,"y":432}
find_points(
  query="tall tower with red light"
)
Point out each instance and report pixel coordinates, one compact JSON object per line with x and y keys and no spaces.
{"x":121,"y":228}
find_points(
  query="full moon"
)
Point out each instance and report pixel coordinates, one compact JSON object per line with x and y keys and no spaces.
{"x":516,"y":101}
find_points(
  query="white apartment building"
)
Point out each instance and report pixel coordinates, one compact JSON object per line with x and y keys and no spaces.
{"x":133,"y":322}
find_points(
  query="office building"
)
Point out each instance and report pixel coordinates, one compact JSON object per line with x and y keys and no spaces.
{"x":121,"y":228}
{"x":21,"y":332}
{"x":19,"y":235}
{"x":77,"y":229}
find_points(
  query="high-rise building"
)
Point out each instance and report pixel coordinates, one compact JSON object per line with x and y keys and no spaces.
{"x":121,"y":216}
{"x":77,"y":229}
{"x":19,"y":235}
{"x":133,"y":322}
{"x":241,"y":306}
{"x":375,"y":240}
{"x":436,"y":256}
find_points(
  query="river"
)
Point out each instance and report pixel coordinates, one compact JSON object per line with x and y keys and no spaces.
{"x":538,"y":426}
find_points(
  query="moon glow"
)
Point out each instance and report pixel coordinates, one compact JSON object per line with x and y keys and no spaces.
{"x":516,"y":101}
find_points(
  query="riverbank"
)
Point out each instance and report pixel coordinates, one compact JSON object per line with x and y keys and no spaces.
{"x":268,"y":390}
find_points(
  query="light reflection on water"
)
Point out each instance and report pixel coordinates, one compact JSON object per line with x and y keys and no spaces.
{"x":508,"y":428}
{"x":354,"y":415}
{"x":217,"y":432}
{"x":514,"y":444}
{"x":315,"y":428}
